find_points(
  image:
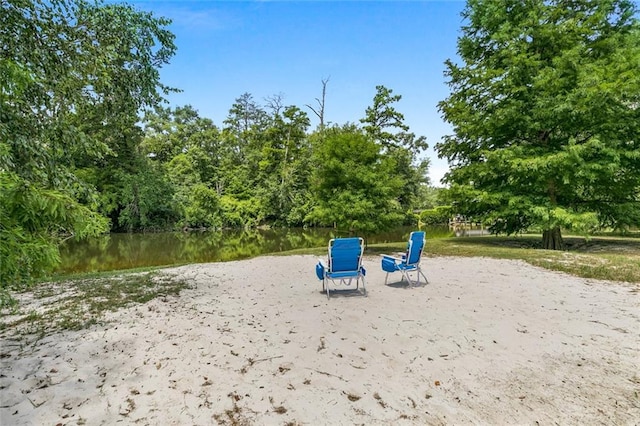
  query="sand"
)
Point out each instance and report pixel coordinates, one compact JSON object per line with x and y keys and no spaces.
{"x":256,"y":342}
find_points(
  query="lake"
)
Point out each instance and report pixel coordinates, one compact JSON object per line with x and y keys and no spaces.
{"x":126,"y":251}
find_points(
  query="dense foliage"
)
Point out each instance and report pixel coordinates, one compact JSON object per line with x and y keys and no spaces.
{"x":354,"y":185}
{"x":86,"y":145}
{"x":73,"y":77}
{"x":440,"y":215}
{"x":264,"y":167}
{"x":545,"y":107}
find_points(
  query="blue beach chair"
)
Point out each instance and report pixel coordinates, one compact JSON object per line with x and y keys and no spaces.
{"x":344,"y":264}
{"x":409,"y":262}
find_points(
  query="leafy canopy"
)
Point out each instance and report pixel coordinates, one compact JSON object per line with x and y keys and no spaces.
{"x":73,"y":76}
{"x":353,"y":183}
{"x":545,"y":113}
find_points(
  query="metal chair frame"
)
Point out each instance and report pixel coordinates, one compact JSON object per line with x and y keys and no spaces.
{"x":336,"y":271}
{"x":409,"y":262}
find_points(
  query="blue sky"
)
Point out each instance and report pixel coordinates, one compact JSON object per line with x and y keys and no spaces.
{"x":266,"y":48}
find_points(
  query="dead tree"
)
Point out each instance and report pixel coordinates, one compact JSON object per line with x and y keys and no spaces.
{"x":320,"y":111}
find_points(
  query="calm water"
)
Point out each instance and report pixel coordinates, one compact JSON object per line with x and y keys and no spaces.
{"x":125,"y":251}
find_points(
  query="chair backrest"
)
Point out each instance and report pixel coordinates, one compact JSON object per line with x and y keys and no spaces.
{"x":415,"y":247}
{"x":345,"y":254}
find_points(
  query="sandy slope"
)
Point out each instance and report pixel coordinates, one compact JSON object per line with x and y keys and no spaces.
{"x":255,"y":342}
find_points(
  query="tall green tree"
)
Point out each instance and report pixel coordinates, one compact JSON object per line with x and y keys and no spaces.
{"x":284,"y":167}
{"x":353,"y":185}
{"x":68,"y":71}
{"x":242,"y":143}
{"x":386,"y":126}
{"x":132,"y":46}
{"x":545,"y":113}
{"x":187,"y":148}
{"x":242,"y":132}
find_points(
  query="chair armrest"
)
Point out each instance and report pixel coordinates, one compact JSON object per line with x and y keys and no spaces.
{"x":392,"y":257}
{"x":322,"y":262}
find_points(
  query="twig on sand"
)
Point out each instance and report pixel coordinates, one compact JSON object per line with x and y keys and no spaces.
{"x":327,"y":374}
{"x":253,"y":361}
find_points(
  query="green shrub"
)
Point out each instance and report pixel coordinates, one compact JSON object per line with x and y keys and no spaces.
{"x":436,"y":216}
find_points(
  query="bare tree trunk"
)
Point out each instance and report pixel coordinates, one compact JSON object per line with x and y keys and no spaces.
{"x":552,"y":239}
{"x":320,"y":111}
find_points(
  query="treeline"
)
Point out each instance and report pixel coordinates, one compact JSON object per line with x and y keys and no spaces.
{"x":263,"y":167}
{"x":86,"y":146}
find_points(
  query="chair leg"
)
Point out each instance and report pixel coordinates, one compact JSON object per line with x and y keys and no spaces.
{"x":405,"y":276}
{"x":345,"y":282}
{"x":325,"y":286}
{"x":386,"y":278}
{"x":418,"y":273}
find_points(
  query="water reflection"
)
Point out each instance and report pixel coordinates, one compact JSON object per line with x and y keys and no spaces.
{"x":126,"y":251}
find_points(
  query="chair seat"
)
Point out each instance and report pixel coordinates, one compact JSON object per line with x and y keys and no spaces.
{"x":390,"y":265}
{"x":346,"y":274}
{"x":407,"y":267}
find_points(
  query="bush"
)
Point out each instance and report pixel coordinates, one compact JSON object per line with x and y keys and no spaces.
{"x":436,"y":216}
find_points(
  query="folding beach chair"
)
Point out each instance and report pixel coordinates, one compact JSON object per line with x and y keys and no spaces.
{"x":344,"y":264}
{"x":409,"y":262}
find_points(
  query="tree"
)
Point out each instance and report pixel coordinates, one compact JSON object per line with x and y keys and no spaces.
{"x":242,"y":142}
{"x":386,"y":126}
{"x":544,"y":108}
{"x":71,"y":75}
{"x":245,"y":118}
{"x":320,"y":111}
{"x":382,"y":118}
{"x":429,"y":197}
{"x":187,"y":148}
{"x":144,"y":200}
{"x":283,"y":167}
{"x":353,"y":186}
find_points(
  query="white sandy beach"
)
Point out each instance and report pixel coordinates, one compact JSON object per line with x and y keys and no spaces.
{"x":256,"y":342}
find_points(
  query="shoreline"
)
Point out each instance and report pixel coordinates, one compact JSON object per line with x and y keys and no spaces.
{"x":257,"y":342}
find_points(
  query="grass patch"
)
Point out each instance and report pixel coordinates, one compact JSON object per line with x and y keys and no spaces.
{"x":73,"y":305}
{"x":605,"y":258}
{"x":60,"y":277}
